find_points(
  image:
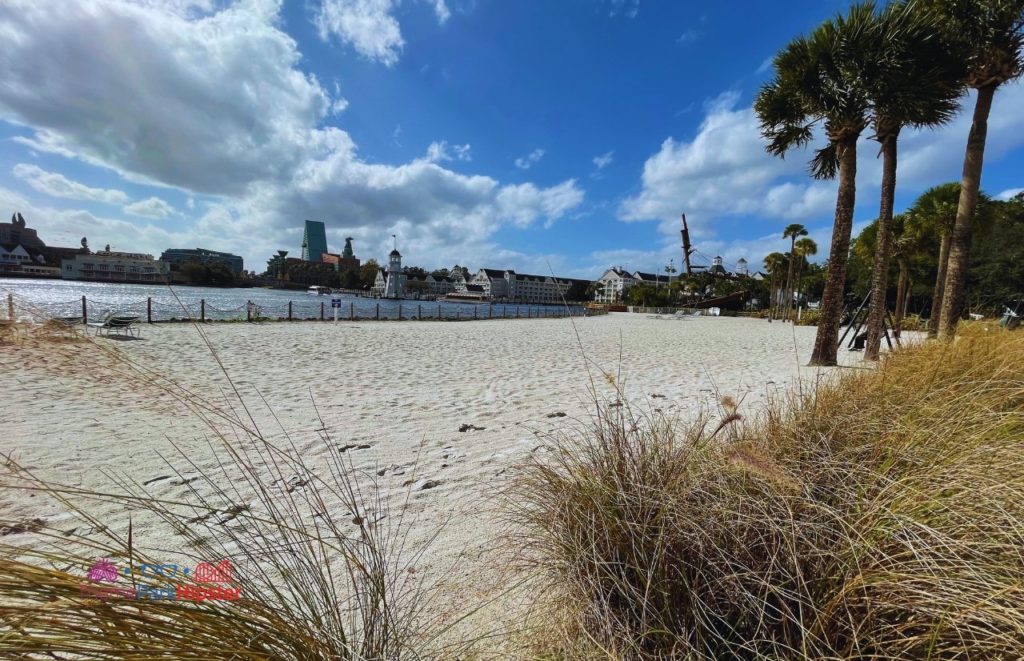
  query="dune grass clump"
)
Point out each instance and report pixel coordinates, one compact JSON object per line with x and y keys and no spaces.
{"x":881,"y":517}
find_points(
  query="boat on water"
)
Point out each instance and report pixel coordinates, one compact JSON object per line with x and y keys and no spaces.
{"x":318,"y":290}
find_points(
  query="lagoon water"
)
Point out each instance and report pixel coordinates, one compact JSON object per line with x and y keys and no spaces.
{"x":63,"y":298}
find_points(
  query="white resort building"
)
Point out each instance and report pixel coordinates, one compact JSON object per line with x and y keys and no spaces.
{"x":110,"y":266}
{"x":613,"y":285}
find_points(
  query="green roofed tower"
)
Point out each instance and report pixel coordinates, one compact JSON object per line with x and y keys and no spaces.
{"x":314,"y":241}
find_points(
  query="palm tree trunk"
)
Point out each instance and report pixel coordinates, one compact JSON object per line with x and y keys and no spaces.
{"x":901,"y":297}
{"x":970,"y":185}
{"x":826,"y":342}
{"x":799,"y":273}
{"x":788,"y":301}
{"x":940,"y":285}
{"x":880,"y":273}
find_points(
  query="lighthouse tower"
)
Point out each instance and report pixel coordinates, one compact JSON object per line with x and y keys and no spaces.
{"x":396,"y":279}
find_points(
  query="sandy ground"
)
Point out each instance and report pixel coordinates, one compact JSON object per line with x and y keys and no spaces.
{"x":403,"y":389}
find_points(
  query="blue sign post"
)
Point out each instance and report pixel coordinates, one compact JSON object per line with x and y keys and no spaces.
{"x":335,"y":303}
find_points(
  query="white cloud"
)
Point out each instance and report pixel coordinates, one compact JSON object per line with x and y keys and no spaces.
{"x":217,"y":107}
{"x":526,"y":162}
{"x":1009,"y":194}
{"x":366,"y":25}
{"x":55,"y":184}
{"x":206,"y":105}
{"x":442,"y":151}
{"x":369,"y":26}
{"x":441,"y":9}
{"x":723,"y":172}
{"x":151,"y":207}
{"x":604,"y":160}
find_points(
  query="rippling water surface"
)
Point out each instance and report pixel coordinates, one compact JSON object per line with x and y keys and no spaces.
{"x":63,"y":298}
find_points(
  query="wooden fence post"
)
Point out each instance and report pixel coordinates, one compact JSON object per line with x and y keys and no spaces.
{"x":419,"y":311}
{"x":399,"y":311}
{"x":85,"y":311}
{"x":202,"y":309}
{"x":378,"y":312}
{"x":351,"y":311}
{"x":321,"y":309}
{"x":439,"y":312}
{"x":290,"y":311}
{"x":149,"y":309}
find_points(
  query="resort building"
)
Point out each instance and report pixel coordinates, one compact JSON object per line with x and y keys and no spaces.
{"x":314,"y":241}
{"x":429,"y":285}
{"x":613,"y":285}
{"x":110,"y":266}
{"x":515,"y":287}
{"x":178,"y":256}
{"x":494,"y":283}
{"x":651,"y":278}
{"x":23,"y":253}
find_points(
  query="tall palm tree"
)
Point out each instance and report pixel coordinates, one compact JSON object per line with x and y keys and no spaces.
{"x":904,"y":244}
{"x":933,"y":215}
{"x":803,"y":249}
{"x":773,"y":263}
{"x":991,"y":34}
{"x":818,"y":80}
{"x":913,"y":79}
{"x":791,"y":232}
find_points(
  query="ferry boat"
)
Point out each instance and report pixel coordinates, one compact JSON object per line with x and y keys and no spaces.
{"x":318,"y":290}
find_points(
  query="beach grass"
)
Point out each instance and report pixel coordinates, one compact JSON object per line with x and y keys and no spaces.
{"x":319,"y":557}
{"x":881,"y":517}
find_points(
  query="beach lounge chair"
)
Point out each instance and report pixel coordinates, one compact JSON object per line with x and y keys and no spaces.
{"x":122,"y":325}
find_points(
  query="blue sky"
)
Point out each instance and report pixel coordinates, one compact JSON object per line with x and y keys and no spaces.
{"x":542,"y":135}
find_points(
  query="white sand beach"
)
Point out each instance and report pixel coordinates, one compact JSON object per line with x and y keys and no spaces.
{"x":398,"y":392}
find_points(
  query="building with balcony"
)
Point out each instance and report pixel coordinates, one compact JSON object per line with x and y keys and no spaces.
{"x":111,"y":266}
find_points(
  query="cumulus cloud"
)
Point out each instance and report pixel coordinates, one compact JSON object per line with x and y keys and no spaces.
{"x":369,"y":26}
{"x":723,"y":172}
{"x":151,"y":207}
{"x":55,"y":184}
{"x":1009,"y":194}
{"x":528,"y":161}
{"x":206,"y":105}
{"x":214,"y":104}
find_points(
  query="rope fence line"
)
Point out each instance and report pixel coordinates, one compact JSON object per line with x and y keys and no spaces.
{"x":149,"y":310}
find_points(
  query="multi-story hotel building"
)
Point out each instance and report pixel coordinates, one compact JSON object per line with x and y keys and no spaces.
{"x":110,"y":266}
